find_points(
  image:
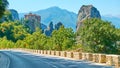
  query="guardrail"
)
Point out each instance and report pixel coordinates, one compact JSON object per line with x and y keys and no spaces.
{"x":111,"y":60}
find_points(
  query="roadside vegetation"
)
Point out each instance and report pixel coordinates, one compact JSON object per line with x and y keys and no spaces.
{"x":96,"y":36}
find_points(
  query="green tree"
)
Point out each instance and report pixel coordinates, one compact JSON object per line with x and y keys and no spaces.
{"x":13,"y":31}
{"x":4,"y":43}
{"x":3,"y":5}
{"x":99,"y":36}
{"x":63,"y":38}
{"x":36,"y":40}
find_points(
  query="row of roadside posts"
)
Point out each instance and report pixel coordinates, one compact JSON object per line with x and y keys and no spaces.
{"x":111,"y":60}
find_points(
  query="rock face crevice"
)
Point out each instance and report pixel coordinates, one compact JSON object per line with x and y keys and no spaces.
{"x":86,"y":12}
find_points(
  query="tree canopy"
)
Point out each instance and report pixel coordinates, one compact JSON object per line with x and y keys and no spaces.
{"x":100,"y":36}
{"x":3,"y":6}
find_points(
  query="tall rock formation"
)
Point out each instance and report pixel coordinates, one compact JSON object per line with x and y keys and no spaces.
{"x":49,"y":30}
{"x":58,"y":25}
{"x":15,"y":15}
{"x":86,"y":12}
{"x":43,"y":26}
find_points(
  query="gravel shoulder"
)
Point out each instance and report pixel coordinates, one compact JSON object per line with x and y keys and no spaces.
{"x":4,"y":61}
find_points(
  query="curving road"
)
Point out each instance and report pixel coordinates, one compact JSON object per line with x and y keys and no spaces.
{"x":27,"y":60}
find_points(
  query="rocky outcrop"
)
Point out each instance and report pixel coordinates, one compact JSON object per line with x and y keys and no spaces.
{"x":49,"y":30}
{"x":57,"y":26}
{"x":15,"y":15}
{"x":43,"y":26}
{"x":86,"y":12}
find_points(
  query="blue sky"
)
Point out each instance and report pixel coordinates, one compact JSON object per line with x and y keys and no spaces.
{"x":106,"y":7}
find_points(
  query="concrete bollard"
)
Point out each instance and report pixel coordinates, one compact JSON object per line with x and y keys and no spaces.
{"x":102,"y":58}
{"x":70,"y":54}
{"x":63,"y":54}
{"x":117,"y":61}
{"x":58,"y":53}
{"x":77,"y":55}
{"x":89,"y":56}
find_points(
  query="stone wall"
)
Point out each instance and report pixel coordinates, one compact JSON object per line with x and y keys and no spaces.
{"x":111,"y":60}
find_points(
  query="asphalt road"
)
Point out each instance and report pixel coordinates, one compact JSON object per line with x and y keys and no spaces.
{"x":27,"y":60}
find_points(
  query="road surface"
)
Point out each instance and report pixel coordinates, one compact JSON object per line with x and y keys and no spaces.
{"x":27,"y":60}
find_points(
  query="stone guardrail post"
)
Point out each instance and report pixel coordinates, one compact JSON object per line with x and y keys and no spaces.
{"x":102,"y":58}
{"x":77,"y":55}
{"x":45,"y":51}
{"x":109,"y":60}
{"x":84,"y":56}
{"x":58,"y":53}
{"x":96,"y":58}
{"x":89,"y":56}
{"x":38,"y":51}
{"x":42,"y":51}
{"x":70,"y":54}
{"x":35,"y":51}
{"x":63,"y":54}
{"x":49,"y":52}
{"x":52,"y":52}
{"x":117,"y":61}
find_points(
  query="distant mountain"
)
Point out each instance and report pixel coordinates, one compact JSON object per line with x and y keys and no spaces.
{"x":56,"y":14}
{"x":69,"y":19}
{"x":114,"y":20}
